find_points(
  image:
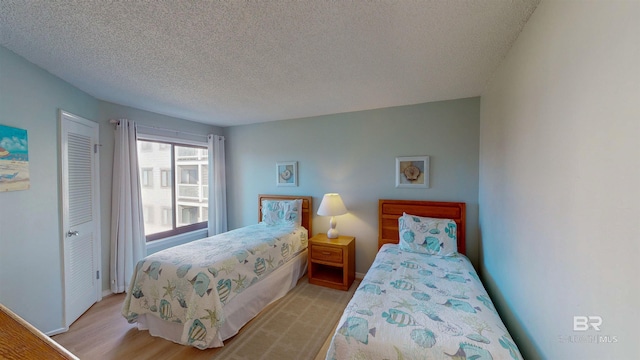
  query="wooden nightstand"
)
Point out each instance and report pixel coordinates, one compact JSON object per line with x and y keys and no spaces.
{"x":332,"y":262}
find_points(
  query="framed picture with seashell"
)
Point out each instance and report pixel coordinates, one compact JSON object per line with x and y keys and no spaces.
{"x":412,"y":172}
{"x":287,"y":173}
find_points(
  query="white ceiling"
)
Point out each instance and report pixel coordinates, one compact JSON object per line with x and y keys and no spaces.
{"x":240,"y":62}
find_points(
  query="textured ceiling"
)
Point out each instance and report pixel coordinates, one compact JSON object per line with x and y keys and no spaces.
{"x":241,"y":62}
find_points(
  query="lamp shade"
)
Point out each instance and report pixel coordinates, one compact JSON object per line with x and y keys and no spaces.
{"x":331,"y":205}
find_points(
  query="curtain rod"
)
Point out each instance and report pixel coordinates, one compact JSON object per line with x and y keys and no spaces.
{"x":117,"y":122}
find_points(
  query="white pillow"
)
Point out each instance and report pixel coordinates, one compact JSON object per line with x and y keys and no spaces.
{"x":278,"y":212}
{"x":425,"y":235}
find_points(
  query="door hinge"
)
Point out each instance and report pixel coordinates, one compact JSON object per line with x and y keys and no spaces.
{"x":98,"y":275}
{"x":95,"y":148}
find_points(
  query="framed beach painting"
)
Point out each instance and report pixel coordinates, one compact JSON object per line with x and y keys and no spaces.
{"x":412,"y":172}
{"x":14,"y":159}
{"x":287,"y":173}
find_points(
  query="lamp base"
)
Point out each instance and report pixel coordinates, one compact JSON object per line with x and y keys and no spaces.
{"x":332,"y":233}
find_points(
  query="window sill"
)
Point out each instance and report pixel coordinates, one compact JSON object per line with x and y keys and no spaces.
{"x":161,"y":244}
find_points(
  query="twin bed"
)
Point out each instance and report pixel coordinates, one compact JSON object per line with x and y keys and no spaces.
{"x":201,"y":293}
{"x":420,"y":299}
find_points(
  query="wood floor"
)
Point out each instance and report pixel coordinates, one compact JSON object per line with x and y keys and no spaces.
{"x":102,"y":333}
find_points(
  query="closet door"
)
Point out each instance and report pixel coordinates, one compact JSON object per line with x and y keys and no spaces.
{"x":80,"y":214}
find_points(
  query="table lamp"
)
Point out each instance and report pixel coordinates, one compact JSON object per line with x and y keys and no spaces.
{"x":332,"y":205}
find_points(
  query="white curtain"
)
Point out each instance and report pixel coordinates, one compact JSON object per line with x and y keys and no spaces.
{"x":128,"y":243}
{"x":217,"y":186}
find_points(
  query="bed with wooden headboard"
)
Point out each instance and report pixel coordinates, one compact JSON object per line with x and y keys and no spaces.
{"x":307,"y":207}
{"x":416,"y":302}
{"x":201,"y":293}
{"x":390,"y":210}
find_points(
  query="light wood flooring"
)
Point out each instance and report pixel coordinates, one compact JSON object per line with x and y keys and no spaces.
{"x":102,"y":333}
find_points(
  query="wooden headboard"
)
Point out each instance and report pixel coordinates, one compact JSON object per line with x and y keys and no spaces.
{"x":390,"y":210}
{"x":307,"y":206}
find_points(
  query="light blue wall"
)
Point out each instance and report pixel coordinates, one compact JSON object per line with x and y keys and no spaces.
{"x":560,"y":181}
{"x":354,"y":154}
{"x":30,"y":241}
{"x":30,"y":245}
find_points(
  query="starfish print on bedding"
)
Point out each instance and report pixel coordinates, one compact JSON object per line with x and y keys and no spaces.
{"x":270,"y":262}
{"x":211,"y":317}
{"x":168,"y":290}
{"x":240,"y":281}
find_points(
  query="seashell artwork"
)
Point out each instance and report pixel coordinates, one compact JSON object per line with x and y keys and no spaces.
{"x":412,"y":172}
{"x":287,"y":173}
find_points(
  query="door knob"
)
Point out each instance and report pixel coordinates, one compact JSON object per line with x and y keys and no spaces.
{"x":72,"y":233}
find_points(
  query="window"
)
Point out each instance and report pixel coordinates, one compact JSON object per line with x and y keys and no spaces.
{"x":146,"y":175}
{"x":166,"y":216}
{"x":165,"y":177}
{"x":148,"y":214}
{"x":189,"y":215}
{"x":145,"y":146}
{"x":182,"y":198}
{"x":188,"y":174}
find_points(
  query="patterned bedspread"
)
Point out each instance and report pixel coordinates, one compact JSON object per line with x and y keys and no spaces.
{"x":417,"y":306}
{"x":190,"y":284}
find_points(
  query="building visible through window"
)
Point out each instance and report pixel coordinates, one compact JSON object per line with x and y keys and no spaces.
{"x":179,"y":194}
{"x":165,"y":177}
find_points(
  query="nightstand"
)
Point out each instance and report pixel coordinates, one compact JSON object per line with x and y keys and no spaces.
{"x":332,"y":262}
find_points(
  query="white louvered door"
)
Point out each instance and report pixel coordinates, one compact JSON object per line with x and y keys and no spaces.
{"x":80,"y":214}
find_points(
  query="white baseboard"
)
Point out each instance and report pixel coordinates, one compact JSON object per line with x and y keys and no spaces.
{"x":57,"y":331}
